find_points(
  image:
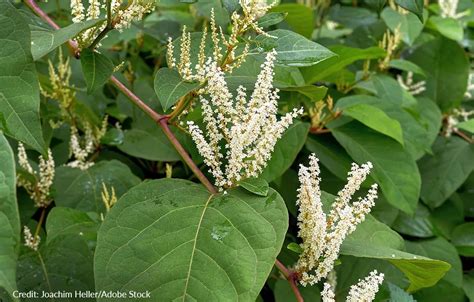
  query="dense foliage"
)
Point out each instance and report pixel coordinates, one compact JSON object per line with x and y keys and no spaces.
{"x":160,"y":147}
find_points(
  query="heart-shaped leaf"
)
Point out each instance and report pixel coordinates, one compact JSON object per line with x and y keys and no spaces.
{"x":176,"y":240}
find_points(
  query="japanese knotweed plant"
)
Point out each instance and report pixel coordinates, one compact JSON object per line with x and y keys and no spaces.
{"x":196,"y":150}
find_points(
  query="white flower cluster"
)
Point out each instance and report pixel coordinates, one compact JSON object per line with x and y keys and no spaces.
{"x":453,"y":119}
{"x":91,"y":140}
{"x":364,"y":291}
{"x":123,"y":13}
{"x":323,"y":234}
{"x":410,"y":86}
{"x":252,"y":11}
{"x":449,"y":9}
{"x":31,"y":241}
{"x":38,"y":186}
{"x":247,"y":130}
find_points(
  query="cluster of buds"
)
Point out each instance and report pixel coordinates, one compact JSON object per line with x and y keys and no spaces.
{"x":247,"y":129}
{"x":122,"y":14}
{"x":323,"y":234}
{"x":409,"y":85}
{"x":228,"y":60}
{"x":31,"y":241}
{"x":322,"y":113}
{"x":365,"y":290}
{"x":108,"y":198}
{"x":390,"y":43}
{"x":81,"y":148}
{"x":452,"y":120}
{"x":36,"y":183}
{"x":61,"y":89}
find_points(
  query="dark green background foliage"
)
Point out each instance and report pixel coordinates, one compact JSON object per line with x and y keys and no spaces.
{"x":171,"y":236}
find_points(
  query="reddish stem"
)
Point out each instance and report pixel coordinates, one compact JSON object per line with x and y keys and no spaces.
{"x":464,"y":136}
{"x":161,"y":120}
{"x":291,"y":277}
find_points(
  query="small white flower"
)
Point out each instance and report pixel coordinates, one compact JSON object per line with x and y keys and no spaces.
{"x":31,"y":241}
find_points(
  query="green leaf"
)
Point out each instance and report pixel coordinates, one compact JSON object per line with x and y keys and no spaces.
{"x":399,"y":295}
{"x":345,"y":56}
{"x":9,"y":218}
{"x":150,"y":144}
{"x":81,"y":189}
{"x":468,"y":285}
{"x":65,"y":221}
{"x":173,"y":238}
{"x":373,"y":239}
{"x":299,"y":17}
{"x":292,"y":49}
{"x":376,"y":119}
{"x":271,"y":19}
{"x":448,"y":27}
{"x":463,"y":239}
{"x":64,"y":264}
{"x":394,"y":169}
{"x":447,"y":68}
{"x":415,"y":6}
{"x":405,"y":65}
{"x":418,"y":225}
{"x":314,"y":93}
{"x":285,"y":151}
{"x":295,"y":247}
{"x":19,"y":89}
{"x":44,"y":41}
{"x":466,"y":125}
{"x":408,"y":24}
{"x":96,"y":68}
{"x":170,"y":87}
{"x":441,"y":249}
{"x":446,"y":170}
{"x":257,"y":186}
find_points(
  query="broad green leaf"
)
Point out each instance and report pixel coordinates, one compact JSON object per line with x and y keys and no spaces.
{"x":9,"y":218}
{"x":351,"y":17}
{"x":97,"y":69}
{"x":64,"y":264}
{"x":373,"y":239}
{"x":446,"y":170}
{"x":440,"y":249}
{"x":298,"y":16}
{"x":150,"y":144}
{"x":170,"y":87}
{"x":408,"y":24}
{"x":417,"y":135}
{"x":292,"y":49}
{"x":314,"y":93}
{"x":376,"y":119}
{"x":44,"y":41}
{"x":415,"y":6}
{"x":405,"y":65}
{"x":466,"y":125}
{"x":65,"y":221}
{"x":285,"y":151}
{"x":345,"y":56}
{"x":271,"y":18}
{"x":19,"y":89}
{"x":246,"y":75}
{"x":81,"y":189}
{"x":448,"y":27}
{"x":463,"y":239}
{"x":257,"y":186}
{"x":173,"y":238}
{"x":394,"y":169}
{"x":447,"y":69}
{"x":418,"y":225}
